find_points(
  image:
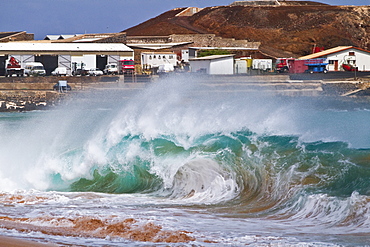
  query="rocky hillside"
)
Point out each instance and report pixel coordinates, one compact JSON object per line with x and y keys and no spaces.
{"x":294,"y":28}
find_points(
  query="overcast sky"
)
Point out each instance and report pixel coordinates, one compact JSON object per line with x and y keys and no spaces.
{"x":43,"y":17}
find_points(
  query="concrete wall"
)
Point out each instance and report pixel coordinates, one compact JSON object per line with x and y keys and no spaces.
{"x":211,"y":40}
{"x":222,"y":66}
{"x":147,"y":39}
{"x":202,"y":66}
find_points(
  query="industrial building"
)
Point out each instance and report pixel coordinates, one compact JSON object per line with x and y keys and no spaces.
{"x":72,"y":56}
{"x":155,"y":59}
{"x":342,"y":57}
{"x":213,"y":65}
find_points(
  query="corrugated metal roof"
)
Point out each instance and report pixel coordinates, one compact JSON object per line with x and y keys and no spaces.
{"x":158,"y":52}
{"x":213,"y":57}
{"x":34,"y":47}
{"x":327,"y":52}
{"x":52,"y":37}
{"x":157,"y":46}
{"x":225,"y":48}
{"x":67,"y":36}
{"x":86,"y":40}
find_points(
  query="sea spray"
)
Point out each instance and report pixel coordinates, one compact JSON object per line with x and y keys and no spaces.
{"x":229,"y":167}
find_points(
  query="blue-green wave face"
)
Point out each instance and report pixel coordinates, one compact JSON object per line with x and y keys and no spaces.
{"x":219,"y":167}
{"x":178,"y":141}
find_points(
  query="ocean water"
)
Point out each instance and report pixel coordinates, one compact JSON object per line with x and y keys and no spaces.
{"x":182,"y":163}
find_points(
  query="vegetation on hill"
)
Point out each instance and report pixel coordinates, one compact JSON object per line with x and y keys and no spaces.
{"x":204,"y":53}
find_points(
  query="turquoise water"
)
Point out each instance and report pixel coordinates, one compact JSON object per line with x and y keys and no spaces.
{"x":230,"y":168}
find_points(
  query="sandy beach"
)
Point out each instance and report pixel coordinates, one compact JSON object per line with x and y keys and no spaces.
{"x":14,"y":242}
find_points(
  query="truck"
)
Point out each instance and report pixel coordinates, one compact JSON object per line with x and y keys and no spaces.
{"x":111,"y":69}
{"x":297,"y":66}
{"x":126,"y":66}
{"x":282,"y":65}
{"x":316,"y":65}
{"x":13,"y":67}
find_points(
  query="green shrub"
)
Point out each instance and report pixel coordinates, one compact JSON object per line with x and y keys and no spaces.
{"x":204,"y":53}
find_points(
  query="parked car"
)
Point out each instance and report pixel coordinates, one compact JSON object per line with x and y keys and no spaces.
{"x":60,"y":71}
{"x":95,"y":72}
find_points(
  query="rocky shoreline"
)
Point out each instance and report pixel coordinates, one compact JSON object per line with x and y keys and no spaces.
{"x":19,"y":94}
{"x":28,"y":94}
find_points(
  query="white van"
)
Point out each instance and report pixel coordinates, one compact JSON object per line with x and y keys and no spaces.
{"x":59,"y":71}
{"x":34,"y":69}
{"x":111,"y":69}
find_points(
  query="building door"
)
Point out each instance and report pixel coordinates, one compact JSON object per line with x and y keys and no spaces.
{"x":336,"y":65}
{"x":101,"y":61}
{"x":2,"y":65}
{"x":50,"y":62}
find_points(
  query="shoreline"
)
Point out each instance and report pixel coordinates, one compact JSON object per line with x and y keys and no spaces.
{"x":7,"y":241}
{"x":18,"y":94}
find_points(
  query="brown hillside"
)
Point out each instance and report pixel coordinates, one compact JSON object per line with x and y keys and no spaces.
{"x":292,"y":28}
{"x":164,"y":24}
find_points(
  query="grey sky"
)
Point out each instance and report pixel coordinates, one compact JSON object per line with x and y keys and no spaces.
{"x":43,"y":17}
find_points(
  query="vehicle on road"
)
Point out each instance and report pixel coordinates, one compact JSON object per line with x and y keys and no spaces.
{"x":60,"y":71}
{"x":316,"y":66}
{"x":127,"y":66}
{"x":34,"y":69}
{"x":95,"y":72}
{"x":282,"y":65}
{"x":13,"y":67}
{"x":111,"y":69}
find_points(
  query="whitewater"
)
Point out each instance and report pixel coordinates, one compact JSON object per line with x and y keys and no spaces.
{"x":185,"y":163}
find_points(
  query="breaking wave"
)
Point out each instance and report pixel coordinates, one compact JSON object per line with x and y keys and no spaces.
{"x":249,"y":155}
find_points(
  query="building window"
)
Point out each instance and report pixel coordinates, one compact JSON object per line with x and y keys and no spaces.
{"x":351,"y":53}
{"x":150,"y":57}
{"x":159,"y":56}
{"x":331,"y":61}
{"x":170,"y":57}
{"x":154,"y":56}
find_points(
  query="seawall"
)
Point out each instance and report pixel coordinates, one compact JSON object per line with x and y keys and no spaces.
{"x":35,"y":93}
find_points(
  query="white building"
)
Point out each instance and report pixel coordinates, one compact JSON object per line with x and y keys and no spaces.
{"x":343,"y":55}
{"x":68,"y":55}
{"x":155,"y":59}
{"x":213,"y":65}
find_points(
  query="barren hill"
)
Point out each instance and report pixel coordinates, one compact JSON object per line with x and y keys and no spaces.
{"x":294,"y":28}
